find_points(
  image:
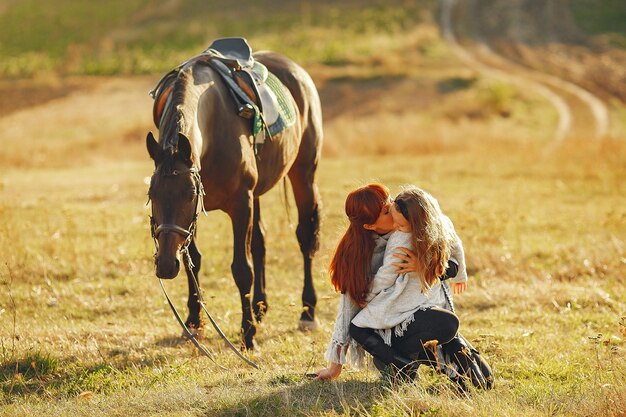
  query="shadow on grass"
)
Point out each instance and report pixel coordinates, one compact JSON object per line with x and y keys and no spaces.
{"x":27,"y":374}
{"x":454,"y":84}
{"x":296,"y":395}
{"x":172,"y":341}
{"x":20,"y":379}
{"x":39,"y":373}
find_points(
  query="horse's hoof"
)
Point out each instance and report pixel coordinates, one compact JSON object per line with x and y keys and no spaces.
{"x":308,"y":325}
{"x":249,"y":347}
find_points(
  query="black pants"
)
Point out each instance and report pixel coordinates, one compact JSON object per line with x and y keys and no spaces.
{"x":432,"y":324}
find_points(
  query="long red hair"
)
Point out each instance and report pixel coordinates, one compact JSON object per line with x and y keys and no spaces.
{"x":351,"y":266}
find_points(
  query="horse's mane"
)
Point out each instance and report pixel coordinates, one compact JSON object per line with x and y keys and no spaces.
{"x":178,"y":116}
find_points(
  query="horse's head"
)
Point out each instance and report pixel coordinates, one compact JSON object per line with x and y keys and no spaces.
{"x":176,"y":196}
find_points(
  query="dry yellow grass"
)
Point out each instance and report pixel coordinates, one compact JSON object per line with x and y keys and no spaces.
{"x":85,"y":331}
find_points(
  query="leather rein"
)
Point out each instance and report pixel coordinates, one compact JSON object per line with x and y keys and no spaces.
{"x":189,"y":234}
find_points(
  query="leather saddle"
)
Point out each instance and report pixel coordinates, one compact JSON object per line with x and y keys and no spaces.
{"x":232,"y":59}
{"x":235,"y":50}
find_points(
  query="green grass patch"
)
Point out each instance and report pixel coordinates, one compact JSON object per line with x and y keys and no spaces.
{"x":28,"y":374}
{"x":607,"y":17}
{"x":41,"y":37}
{"x":33,"y":364}
{"x":138,"y":36}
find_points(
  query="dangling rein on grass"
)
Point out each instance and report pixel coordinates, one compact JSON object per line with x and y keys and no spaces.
{"x":193,"y":338}
{"x":188,"y":235}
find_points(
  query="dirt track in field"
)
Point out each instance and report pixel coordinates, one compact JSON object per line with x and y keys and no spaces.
{"x":537,"y":46}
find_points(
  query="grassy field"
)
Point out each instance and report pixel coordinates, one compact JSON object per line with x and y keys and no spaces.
{"x":85,"y":330}
{"x":78,"y":37}
{"x":144,"y":36}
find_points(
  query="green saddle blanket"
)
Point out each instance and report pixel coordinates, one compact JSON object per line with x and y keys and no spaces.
{"x":277,"y":104}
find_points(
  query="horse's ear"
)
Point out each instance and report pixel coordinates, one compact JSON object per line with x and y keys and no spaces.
{"x":153,"y":148}
{"x":184,"y":148}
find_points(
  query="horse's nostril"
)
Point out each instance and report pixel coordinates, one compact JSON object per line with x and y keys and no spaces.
{"x":167,"y":268}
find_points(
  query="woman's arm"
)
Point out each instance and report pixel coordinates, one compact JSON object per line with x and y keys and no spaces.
{"x":457,"y":255}
{"x":387,"y":274}
{"x":459,"y":281}
{"x":341,"y":340}
{"x":334,"y":369}
{"x":456,"y":266}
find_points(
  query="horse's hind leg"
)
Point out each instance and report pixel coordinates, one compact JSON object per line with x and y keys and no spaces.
{"x":259,"y":302}
{"x":305,"y":191}
{"x":193,"y":302}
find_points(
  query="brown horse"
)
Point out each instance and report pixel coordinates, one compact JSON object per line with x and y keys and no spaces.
{"x":203,"y":144}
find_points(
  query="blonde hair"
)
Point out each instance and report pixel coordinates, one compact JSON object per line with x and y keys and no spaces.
{"x":432,"y":233}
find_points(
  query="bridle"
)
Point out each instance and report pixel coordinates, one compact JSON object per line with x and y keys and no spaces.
{"x":189,"y":234}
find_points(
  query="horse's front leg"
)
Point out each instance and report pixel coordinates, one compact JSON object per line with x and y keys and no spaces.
{"x":241,"y":217}
{"x":193,"y":302}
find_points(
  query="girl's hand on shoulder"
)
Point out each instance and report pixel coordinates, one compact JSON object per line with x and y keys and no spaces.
{"x":459,"y":287}
{"x":409,"y":261}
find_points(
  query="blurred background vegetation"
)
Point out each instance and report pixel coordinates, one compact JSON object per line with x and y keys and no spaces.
{"x":82,"y":37}
{"x":603,"y":17}
{"x":147,"y":36}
